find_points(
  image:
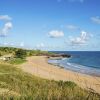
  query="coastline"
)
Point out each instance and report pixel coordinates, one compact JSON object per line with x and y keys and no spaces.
{"x":75,"y":67}
{"x":38,"y":66}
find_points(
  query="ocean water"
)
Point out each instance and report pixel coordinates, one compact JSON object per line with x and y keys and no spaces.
{"x":86,"y":62}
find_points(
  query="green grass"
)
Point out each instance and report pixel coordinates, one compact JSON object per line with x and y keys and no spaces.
{"x":23,"y":86}
{"x":17,"y":61}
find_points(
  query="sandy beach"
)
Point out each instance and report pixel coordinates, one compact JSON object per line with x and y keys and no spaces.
{"x":38,"y":66}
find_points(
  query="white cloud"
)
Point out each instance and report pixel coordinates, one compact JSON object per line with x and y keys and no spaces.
{"x":41,"y":45}
{"x":96,"y":19}
{"x":56,"y":34}
{"x":22,"y":44}
{"x":7,"y":25}
{"x":72,"y":27}
{"x":81,"y":40}
{"x":47,"y":47}
{"x":11,"y":44}
{"x":5,"y":17}
{"x":5,"y":44}
{"x":6,"y":28}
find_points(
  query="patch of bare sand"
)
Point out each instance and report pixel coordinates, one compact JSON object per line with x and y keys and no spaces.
{"x":38,"y":65}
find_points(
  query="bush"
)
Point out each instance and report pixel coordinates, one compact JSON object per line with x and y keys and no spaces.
{"x":66,"y":84}
{"x":17,"y":61}
{"x":20,"y":53}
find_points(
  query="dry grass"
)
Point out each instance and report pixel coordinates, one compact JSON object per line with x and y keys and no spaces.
{"x":23,"y":86}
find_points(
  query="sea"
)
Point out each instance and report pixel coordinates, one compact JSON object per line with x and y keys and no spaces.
{"x":85,"y":62}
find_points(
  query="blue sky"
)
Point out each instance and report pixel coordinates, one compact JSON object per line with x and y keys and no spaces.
{"x":50,"y":24}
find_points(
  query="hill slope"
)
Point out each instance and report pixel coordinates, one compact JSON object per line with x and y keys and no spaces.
{"x":15,"y":84}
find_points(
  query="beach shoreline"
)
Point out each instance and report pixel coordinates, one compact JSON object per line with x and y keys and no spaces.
{"x":39,"y":66}
{"x":87,"y":70}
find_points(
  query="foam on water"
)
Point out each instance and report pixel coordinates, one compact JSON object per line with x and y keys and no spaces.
{"x":81,"y":63}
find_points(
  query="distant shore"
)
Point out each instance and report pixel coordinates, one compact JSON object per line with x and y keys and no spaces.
{"x":38,"y":65}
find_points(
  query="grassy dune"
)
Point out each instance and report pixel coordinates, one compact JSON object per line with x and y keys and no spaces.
{"x":17,"y":85}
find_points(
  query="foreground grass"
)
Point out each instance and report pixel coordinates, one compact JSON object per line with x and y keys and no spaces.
{"x":17,"y":85}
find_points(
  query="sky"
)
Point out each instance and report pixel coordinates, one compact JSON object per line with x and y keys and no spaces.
{"x":54,"y":25}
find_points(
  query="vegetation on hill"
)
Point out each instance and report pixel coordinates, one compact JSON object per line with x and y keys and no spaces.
{"x":17,"y":61}
{"x":14,"y":51}
{"x":17,"y":85}
{"x":19,"y":55}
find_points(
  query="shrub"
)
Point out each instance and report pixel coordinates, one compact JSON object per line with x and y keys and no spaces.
{"x":66,"y":84}
{"x":20,"y":53}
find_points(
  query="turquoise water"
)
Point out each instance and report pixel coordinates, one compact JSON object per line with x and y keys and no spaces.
{"x":86,"y":62}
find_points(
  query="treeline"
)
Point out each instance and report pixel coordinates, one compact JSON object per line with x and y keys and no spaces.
{"x":7,"y":50}
{"x":23,"y":52}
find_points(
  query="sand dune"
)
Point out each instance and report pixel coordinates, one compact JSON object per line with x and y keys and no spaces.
{"x":38,"y":66}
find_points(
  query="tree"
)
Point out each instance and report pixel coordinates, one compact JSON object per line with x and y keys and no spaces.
{"x":20,"y":53}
